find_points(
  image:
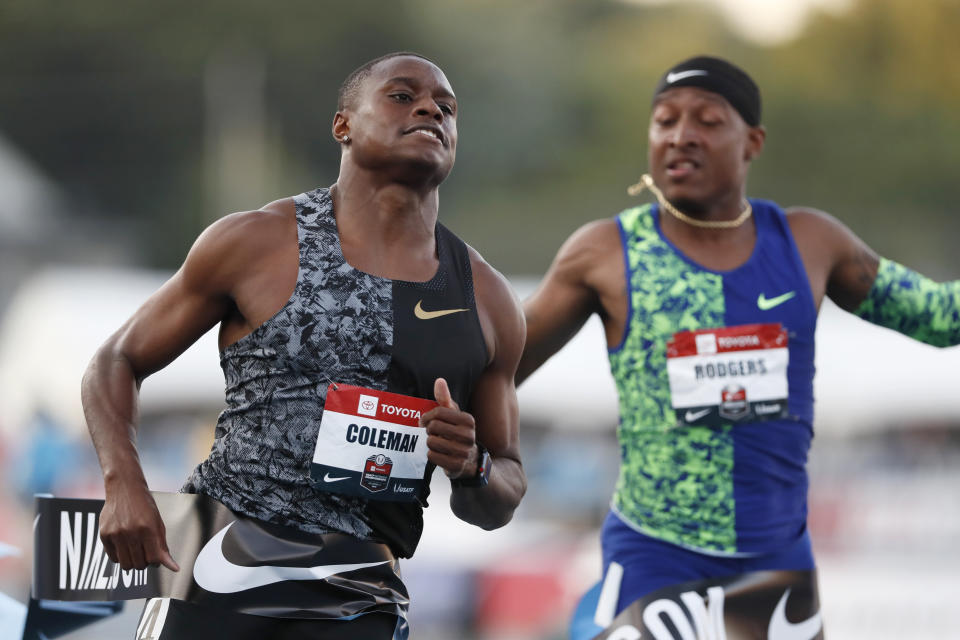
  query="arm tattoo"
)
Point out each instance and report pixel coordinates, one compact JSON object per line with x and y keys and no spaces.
{"x":910,"y":303}
{"x":866,"y":266}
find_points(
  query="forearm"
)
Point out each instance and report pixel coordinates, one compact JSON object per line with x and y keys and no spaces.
{"x":492,"y":506}
{"x":109,"y":392}
{"x":914,"y":305}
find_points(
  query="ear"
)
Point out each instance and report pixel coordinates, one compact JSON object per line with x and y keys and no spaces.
{"x":756,"y":137}
{"x":341,"y":127}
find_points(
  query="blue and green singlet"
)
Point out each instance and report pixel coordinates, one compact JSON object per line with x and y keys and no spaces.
{"x":730,"y":488}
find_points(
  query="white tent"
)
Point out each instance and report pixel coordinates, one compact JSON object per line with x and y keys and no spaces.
{"x":54,"y":325}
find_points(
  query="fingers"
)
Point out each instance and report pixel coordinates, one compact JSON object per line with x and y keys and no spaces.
{"x":135,"y":552}
{"x":441,"y":393}
{"x":458,"y":447}
{"x":157,"y":551}
{"x":453,"y":466}
{"x":442,"y":420}
{"x":109,"y":548}
{"x":137,"y":543}
{"x":123,"y":556}
{"x":167,"y":560}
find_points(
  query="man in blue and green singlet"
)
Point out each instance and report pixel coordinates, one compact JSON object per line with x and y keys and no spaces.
{"x":709,"y":303}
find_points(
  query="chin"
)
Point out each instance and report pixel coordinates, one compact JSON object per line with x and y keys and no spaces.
{"x":422,"y":171}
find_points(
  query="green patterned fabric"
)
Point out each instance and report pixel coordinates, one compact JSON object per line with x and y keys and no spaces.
{"x":909,"y":303}
{"x":674,"y":484}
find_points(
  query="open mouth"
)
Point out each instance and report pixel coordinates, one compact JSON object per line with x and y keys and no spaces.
{"x":681,"y":168}
{"x":428,"y":132}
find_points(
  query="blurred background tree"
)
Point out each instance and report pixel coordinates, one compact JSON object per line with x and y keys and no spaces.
{"x":156,"y":119}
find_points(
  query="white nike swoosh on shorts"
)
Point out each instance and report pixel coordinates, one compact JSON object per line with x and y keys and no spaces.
{"x":216,"y":574}
{"x":782,"y":629}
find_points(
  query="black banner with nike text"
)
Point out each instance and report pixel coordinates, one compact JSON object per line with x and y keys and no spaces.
{"x":761,"y":605}
{"x":237,"y":563}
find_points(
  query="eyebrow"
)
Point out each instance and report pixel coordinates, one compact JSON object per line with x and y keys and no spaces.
{"x":706,"y":95}
{"x":414,"y":82}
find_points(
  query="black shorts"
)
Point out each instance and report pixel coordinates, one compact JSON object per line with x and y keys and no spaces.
{"x":168,"y":619}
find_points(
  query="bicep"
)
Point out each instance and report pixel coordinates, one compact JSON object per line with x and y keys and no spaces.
{"x":494,"y":399}
{"x":832,"y":252}
{"x":171,"y":320}
{"x":188,"y":305}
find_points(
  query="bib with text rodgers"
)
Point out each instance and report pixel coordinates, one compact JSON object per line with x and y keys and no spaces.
{"x":728,"y":374}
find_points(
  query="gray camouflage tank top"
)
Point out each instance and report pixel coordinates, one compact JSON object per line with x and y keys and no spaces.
{"x":345,"y":326}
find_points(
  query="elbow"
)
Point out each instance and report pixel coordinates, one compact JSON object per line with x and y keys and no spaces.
{"x":495,"y":519}
{"x":493,"y":525}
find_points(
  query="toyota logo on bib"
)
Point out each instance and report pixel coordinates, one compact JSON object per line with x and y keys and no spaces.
{"x":368,"y":405}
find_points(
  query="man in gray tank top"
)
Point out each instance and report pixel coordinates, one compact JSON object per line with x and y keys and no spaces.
{"x":334,"y":305}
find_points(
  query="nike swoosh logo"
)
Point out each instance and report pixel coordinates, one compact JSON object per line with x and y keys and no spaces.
{"x":690,"y":416}
{"x":429,"y":315}
{"x":782,"y":629}
{"x":213,"y":572}
{"x":680,"y":75}
{"x":328,"y":478}
{"x":765,"y":303}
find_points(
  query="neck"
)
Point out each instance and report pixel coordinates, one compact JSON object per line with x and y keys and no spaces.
{"x":386,"y":229}
{"x":387,"y":208}
{"x":725,"y":213}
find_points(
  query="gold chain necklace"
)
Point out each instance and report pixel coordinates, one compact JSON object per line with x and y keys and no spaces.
{"x":646,"y":182}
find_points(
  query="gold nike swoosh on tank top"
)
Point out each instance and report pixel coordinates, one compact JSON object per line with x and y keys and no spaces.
{"x":423,"y":314}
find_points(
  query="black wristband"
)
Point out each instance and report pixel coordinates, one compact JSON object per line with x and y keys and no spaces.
{"x":482,"y":476}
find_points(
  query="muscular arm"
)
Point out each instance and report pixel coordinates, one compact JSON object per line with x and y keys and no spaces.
{"x":196,"y":298}
{"x":494,"y":422}
{"x":587,"y":276}
{"x":878,"y":290}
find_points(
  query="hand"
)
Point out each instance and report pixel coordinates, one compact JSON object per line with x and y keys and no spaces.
{"x":132,"y":531}
{"x":451,"y":434}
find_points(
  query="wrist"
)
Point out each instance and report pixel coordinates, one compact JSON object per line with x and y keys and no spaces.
{"x":119,"y":479}
{"x":481,"y":475}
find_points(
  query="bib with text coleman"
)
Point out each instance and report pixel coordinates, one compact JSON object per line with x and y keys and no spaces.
{"x":729,"y":374}
{"x":370,"y":444}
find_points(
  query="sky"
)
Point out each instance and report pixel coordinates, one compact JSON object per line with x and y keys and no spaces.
{"x":767,"y":22}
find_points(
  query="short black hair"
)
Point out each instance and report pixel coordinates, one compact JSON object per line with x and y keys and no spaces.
{"x":351,"y":86}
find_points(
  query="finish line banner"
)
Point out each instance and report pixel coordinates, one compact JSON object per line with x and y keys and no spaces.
{"x":237,"y":563}
{"x":761,"y":605}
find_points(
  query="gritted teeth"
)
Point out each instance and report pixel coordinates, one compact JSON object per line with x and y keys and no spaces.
{"x":682,"y":164}
{"x":427,"y":132}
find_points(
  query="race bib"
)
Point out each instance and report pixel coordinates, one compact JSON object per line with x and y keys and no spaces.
{"x":728,"y":374}
{"x":371,"y":444}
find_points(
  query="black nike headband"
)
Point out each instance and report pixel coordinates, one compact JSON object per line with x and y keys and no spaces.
{"x":717,"y":76}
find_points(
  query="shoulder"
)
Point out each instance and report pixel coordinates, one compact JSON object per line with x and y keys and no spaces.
{"x":597,"y":235}
{"x":249,"y":229}
{"x":499,"y":309}
{"x":491,"y":287}
{"x":592,"y":242}
{"x":815,"y":228}
{"x":237,"y":240}
{"x":591,"y":254}
{"x":807,"y":220}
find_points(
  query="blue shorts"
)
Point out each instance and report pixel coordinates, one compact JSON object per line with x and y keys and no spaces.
{"x":645,"y":564}
{"x":650,"y":564}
